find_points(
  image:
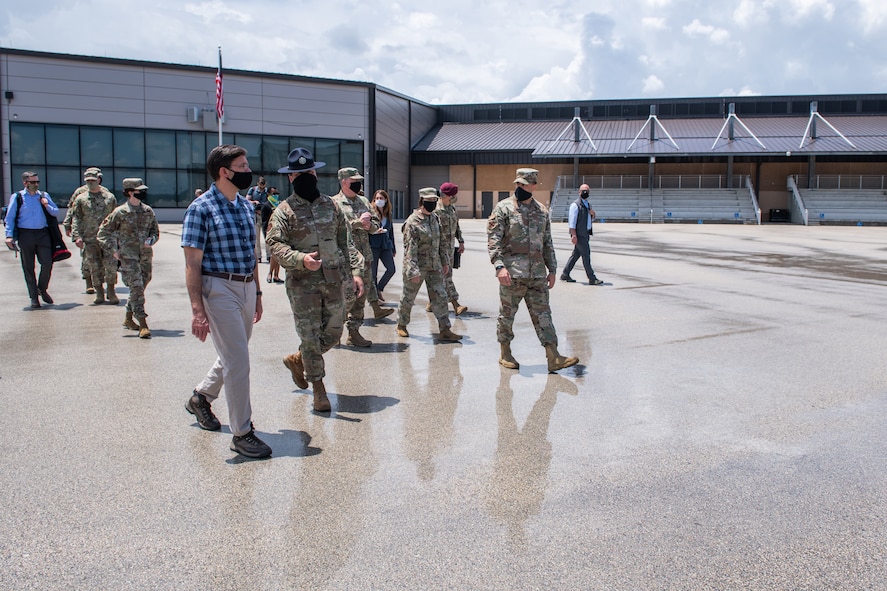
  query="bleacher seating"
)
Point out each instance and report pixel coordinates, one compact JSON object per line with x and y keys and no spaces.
{"x":845,"y":206}
{"x":662,"y":205}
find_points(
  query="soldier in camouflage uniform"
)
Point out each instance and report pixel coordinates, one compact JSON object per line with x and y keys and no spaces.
{"x":363,"y":221}
{"x":309,"y":236}
{"x":520,"y":247}
{"x":84,"y":267}
{"x":425,"y":259}
{"x":87,"y":211}
{"x":129,"y":235}
{"x":450,"y":232}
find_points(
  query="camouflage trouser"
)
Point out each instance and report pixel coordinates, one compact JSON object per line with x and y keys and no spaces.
{"x":102,"y":267}
{"x":535,"y":293}
{"x":84,"y":266}
{"x":452,"y":294}
{"x":319,"y":310}
{"x":136,"y":275}
{"x":434,"y":281}
{"x":354,"y":305}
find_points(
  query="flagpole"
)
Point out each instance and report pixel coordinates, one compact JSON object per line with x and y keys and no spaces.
{"x":220,"y":97}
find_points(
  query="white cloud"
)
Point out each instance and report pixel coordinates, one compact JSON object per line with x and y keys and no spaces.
{"x":714,"y":34}
{"x":469,"y":51}
{"x":654,"y":22}
{"x":653,"y":85}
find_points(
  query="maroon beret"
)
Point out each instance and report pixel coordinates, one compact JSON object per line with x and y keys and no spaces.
{"x":449,"y":189}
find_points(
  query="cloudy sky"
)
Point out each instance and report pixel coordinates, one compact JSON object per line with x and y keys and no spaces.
{"x":461,"y":51}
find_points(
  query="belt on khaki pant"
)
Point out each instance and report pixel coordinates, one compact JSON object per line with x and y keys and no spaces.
{"x":229,"y":276}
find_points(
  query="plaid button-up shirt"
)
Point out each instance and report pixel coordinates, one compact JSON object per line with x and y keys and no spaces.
{"x":224,"y":230}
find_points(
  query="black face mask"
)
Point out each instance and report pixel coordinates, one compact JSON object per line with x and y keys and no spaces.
{"x":429,"y":205}
{"x":242,"y":180}
{"x":140,"y":195}
{"x":355,"y":186}
{"x":584,"y":194}
{"x":305,"y":186}
{"x":521,"y":194}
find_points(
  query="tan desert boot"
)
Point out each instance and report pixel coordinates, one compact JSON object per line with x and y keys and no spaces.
{"x":297,"y":368}
{"x":557,"y":361}
{"x":505,"y":357}
{"x":321,"y":402}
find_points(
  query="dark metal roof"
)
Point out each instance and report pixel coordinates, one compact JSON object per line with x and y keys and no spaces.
{"x":779,"y":135}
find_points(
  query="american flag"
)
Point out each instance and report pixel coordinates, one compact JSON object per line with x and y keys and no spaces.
{"x":220,"y":96}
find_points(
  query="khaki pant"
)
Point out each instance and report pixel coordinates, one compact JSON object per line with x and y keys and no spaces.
{"x":230,"y":308}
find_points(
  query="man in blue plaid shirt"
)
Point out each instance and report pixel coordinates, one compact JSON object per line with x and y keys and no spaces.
{"x":219,"y":236}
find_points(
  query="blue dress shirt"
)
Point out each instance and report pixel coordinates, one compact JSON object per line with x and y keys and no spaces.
{"x":32,"y":216}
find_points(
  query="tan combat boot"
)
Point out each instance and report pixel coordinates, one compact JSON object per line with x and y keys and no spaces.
{"x":505,"y":357}
{"x":428,"y":307}
{"x":144,"y":331}
{"x":402,"y":331}
{"x":557,"y":361}
{"x":355,"y":340}
{"x":321,"y":402}
{"x":89,"y":288}
{"x":128,"y":321}
{"x":99,"y":295}
{"x":112,"y":296}
{"x":457,"y":308}
{"x":297,"y":368}
{"x":448,"y":335}
{"x":379,"y":312}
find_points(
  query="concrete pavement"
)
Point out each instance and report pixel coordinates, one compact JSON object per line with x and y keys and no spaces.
{"x":724,"y":430}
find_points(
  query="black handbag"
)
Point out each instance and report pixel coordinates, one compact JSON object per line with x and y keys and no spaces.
{"x":457,"y":258}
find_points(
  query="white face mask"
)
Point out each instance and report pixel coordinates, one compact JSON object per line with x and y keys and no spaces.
{"x":380,"y":203}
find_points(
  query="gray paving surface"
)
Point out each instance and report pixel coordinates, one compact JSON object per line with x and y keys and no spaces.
{"x":725,"y":429}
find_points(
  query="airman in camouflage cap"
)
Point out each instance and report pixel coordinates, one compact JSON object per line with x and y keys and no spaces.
{"x":134,"y":183}
{"x":522,"y":251}
{"x":428,"y":193}
{"x":89,"y":205}
{"x":349,"y":172}
{"x":527,"y":176}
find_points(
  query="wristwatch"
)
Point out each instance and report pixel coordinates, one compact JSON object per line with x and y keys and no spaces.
{"x":500,"y":267}
{"x":258,"y":292}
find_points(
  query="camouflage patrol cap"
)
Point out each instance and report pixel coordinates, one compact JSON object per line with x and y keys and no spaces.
{"x":349,"y":172}
{"x":93,"y":173}
{"x":428,"y":193}
{"x":527,"y":176}
{"x":134,"y":183}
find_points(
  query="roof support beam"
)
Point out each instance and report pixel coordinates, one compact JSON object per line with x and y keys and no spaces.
{"x":731,"y":118}
{"x":811,"y":126}
{"x":652,"y":120}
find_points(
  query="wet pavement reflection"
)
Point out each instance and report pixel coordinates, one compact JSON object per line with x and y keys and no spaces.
{"x":723,"y":429}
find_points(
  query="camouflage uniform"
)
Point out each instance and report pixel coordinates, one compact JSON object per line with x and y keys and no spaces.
{"x":87,"y":211}
{"x":317,"y":298}
{"x":424,"y":255}
{"x":85,"y":273}
{"x":449,"y":231}
{"x":519,"y":238}
{"x":124,"y":232}
{"x":352,"y":209}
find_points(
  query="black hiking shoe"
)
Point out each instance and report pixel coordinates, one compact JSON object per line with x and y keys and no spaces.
{"x":250,"y":446}
{"x":198,"y":406}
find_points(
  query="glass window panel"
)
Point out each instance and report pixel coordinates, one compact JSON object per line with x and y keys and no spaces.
{"x":328,"y":151}
{"x":160,"y":149}
{"x":188,"y":182}
{"x":212,"y":140}
{"x":95,"y":147}
{"x":27,"y":146}
{"x":253,"y":146}
{"x":16,"y":179}
{"x":161,"y":188}
{"x":274,"y":153}
{"x":352,"y":154}
{"x":191,"y":150}
{"x":129,"y":147}
{"x":62,"y":145}
{"x":302,"y":142}
{"x":60,"y":183}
